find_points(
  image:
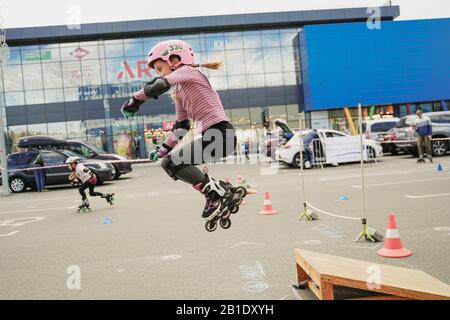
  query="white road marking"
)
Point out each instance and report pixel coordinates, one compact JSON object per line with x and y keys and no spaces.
{"x":35,"y":210}
{"x":361,"y":247}
{"x":19,"y":221}
{"x":171,"y":257}
{"x":9,"y":234}
{"x":427,"y":196}
{"x":243,"y":243}
{"x":358,"y":176}
{"x":442,"y":229}
{"x":312,"y":242}
{"x":34,"y":200}
{"x":399,"y":182}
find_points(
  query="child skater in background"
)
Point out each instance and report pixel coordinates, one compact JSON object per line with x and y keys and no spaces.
{"x":88,"y":180}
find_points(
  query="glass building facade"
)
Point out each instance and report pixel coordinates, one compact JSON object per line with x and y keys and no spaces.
{"x":111,"y":69}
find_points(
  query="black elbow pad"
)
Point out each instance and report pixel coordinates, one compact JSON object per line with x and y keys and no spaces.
{"x":156,"y":87}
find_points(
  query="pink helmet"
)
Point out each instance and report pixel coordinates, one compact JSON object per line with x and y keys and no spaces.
{"x":165,"y":49}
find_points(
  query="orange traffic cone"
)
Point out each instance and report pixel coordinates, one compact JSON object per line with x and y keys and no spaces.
{"x":392,"y":244}
{"x":267,"y":205}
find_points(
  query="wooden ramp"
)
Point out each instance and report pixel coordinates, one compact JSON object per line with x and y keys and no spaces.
{"x":321,"y":272}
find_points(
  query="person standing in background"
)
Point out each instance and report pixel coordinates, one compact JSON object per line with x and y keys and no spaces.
{"x":424,"y":130}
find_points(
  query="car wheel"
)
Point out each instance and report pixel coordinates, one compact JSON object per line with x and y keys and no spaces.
{"x":17,"y":184}
{"x":439,"y":148}
{"x":371,"y":153}
{"x":297,"y":161}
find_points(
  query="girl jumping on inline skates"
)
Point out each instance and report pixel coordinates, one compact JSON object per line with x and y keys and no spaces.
{"x":196,"y":100}
{"x":88,"y":180}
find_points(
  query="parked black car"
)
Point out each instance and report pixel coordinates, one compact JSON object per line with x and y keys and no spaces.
{"x":83,"y":148}
{"x":19,"y":181}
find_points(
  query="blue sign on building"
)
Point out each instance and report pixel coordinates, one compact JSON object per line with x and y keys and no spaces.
{"x":348,"y":63}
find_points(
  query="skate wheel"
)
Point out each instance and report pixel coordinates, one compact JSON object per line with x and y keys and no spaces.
{"x":211,"y":225}
{"x":234,"y":209}
{"x":225,"y":223}
{"x":242,"y":191}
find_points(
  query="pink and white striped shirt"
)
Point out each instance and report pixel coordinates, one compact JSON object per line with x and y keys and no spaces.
{"x":197,"y":100}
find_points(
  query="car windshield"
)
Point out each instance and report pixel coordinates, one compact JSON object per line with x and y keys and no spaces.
{"x":69,"y":153}
{"x":96,"y":149}
{"x":404,"y":122}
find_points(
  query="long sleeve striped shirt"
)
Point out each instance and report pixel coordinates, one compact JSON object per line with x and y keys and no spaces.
{"x":196,"y":100}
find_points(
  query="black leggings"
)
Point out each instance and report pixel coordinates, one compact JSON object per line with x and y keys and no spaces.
{"x":180,"y":162}
{"x":91,"y":187}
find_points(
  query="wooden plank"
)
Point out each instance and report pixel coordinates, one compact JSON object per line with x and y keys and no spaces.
{"x":386,"y":297}
{"x":315,"y":289}
{"x":301,"y":274}
{"x":308,"y":269}
{"x":353,"y":273}
{"x":327,"y":291}
{"x":400,"y":292}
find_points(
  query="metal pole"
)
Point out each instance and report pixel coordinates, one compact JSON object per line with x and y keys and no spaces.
{"x":4,"y":165}
{"x":4,"y":54}
{"x":362,"y":162}
{"x":301,"y":157}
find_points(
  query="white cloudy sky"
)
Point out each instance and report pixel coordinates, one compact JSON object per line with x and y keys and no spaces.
{"x":50,"y":12}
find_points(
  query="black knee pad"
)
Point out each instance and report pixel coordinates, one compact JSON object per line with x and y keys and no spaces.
{"x":185,"y":172}
{"x":170,"y":167}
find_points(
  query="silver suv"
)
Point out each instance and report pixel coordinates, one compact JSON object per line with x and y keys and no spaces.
{"x":440,"y":122}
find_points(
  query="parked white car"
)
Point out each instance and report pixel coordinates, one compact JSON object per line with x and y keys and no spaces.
{"x":334,"y":147}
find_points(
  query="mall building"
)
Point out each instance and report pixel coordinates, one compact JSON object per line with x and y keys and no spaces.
{"x":70,"y":82}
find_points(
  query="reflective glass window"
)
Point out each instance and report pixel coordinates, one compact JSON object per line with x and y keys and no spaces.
{"x":272,"y":60}
{"x":34,"y":97}
{"x":14,"y":98}
{"x":71,"y":73}
{"x":50,"y":53}
{"x":32,"y":76}
{"x":235,"y":62}
{"x":274,"y":79}
{"x":252,"y":40}
{"x":54,"y":95}
{"x":214,"y":42}
{"x":13,"y":78}
{"x":52,"y":75}
{"x":134,"y":48}
{"x":57,"y":129}
{"x":90,"y":72}
{"x":237,"y":82}
{"x":270,"y":38}
{"x":114,"y":50}
{"x":255,"y":81}
{"x":254,"y":61}
{"x":14,"y":56}
{"x":233,"y":41}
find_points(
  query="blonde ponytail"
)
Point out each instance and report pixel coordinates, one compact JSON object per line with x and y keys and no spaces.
{"x":214,"y":65}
